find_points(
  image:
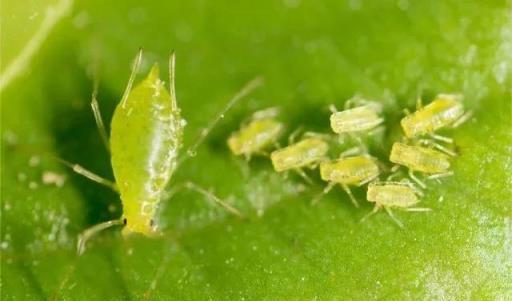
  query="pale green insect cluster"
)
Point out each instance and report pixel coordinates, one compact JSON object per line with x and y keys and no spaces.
{"x":421,"y":150}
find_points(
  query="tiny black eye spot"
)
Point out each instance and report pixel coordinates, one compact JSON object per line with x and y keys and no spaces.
{"x":125,"y":221}
{"x":151,"y":223}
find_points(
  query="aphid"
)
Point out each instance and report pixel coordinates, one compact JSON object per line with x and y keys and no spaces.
{"x":421,"y":159}
{"x":258,"y":135}
{"x":145,"y":138}
{"x":446,"y":110}
{"x":393,"y":195}
{"x":356,"y":170}
{"x":308,"y":152}
{"x":362,"y":118}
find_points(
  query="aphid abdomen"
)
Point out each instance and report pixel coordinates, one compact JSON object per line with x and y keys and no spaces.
{"x":146,"y":134}
{"x":419,"y":158}
{"x":443,"y":111}
{"x":355,"y":120}
{"x":300,"y":154}
{"x":352,"y":170}
{"x":255,"y":137}
{"x":391,"y":195}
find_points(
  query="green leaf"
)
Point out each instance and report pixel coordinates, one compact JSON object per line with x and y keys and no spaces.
{"x":311,"y":54}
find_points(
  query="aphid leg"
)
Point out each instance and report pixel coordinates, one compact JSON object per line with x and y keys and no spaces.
{"x":397,"y":221}
{"x":135,"y":70}
{"x":419,"y":102}
{"x":332,"y":108}
{"x":92,"y":231}
{"x":303,"y":175}
{"x":406,"y":112}
{"x":376,"y":209}
{"x":319,"y":196}
{"x":349,"y":152}
{"x":462,"y":119}
{"x":418,"y":209}
{"x":441,"y":138}
{"x":443,"y":149}
{"x":440,"y":175}
{"x":416,"y":179}
{"x":294,"y":135}
{"x":351,"y":196}
{"x":367,"y":180}
{"x":378,"y":129}
{"x":412,"y":186}
{"x":359,"y":141}
{"x":214,"y":198}
{"x":246,"y":89}
{"x":266,"y":113}
{"x":395,"y":168}
{"x":90,"y":175}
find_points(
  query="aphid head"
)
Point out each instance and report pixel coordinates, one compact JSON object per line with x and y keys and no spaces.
{"x":139,"y":224}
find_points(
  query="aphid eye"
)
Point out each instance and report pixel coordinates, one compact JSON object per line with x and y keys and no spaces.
{"x":125,"y":221}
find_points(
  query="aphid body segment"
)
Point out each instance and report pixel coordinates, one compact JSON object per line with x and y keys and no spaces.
{"x":358,"y":119}
{"x":146,"y":134}
{"x":393,"y":195}
{"x":305,"y":153}
{"x":419,"y":158}
{"x":444,"y":110}
{"x":258,"y":135}
{"x":356,"y":170}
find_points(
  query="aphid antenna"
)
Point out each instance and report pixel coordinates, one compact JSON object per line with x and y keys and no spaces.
{"x":246,"y":89}
{"x":135,"y":69}
{"x":416,"y":179}
{"x":462,"y":119}
{"x":266,"y":113}
{"x":440,"y":175}
{"x":333,"y":108}
{"x":92,"y":231}
{"x":303,"y":175}
{"x":441,"y":138}
{"x":418,"y":209}
{"x":437,"y":146}
{"x":295,"y":134}
{"x":89,"y":174}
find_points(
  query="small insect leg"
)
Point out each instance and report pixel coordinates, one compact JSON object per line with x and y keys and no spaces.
{"x":332,"y":108}
{"x":351,"y":196}
{"x":440,"y":175}
{"x":359,"y":141}
{"x":418,"y":209}
{"x":375,"y":210}
{"x":135,"y":70}
{"x":419,"y":102}
{"x":214,"y":198}
{"x":319,"y":196}
{"x":397,"y":221}
{"x":350,"y":152}
{"x":303,"y":175}
{"x":294,"y":135}
{"x":90,"y":175}
{"x":416,"y":179}
{"x":462,"y":119}
{"x":92,"y":231}
{"x":97,"y":117}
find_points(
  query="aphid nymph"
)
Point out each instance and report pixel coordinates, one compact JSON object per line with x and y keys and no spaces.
{"x":308,"y":152}
{"x":393,"y":195}
{"x":145,"y":139}
{"x":354,"y":170}
{"x":255,"y":137}
{"x":421,"y":159}
{"x":360,"y":115}
{"x":446,"y":110}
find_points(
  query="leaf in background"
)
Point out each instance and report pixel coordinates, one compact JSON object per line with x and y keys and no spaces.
{"x":311,"y":54}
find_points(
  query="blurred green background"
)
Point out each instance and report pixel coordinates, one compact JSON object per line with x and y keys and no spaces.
{"x":312,"y":54}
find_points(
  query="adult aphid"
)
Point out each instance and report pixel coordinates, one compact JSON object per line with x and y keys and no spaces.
{"x":354,"y":170}
{"x":421,"y":159}
{"x":256,"y":136}
{"x":446,"y":110}
{"x":359,"y":115}
{"x":393,"y":195}
{"x":308,"y":152}
{"x":145,"y":138}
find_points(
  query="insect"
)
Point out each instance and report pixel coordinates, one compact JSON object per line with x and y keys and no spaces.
{"x":446,"y":110}
{"x":393,"y":195}
{"x":364,"y":117}
{"x":422,"y":159}
{"x":255,"y":137}
{"x":145,"y":138}
{"x":354,"y":170}
{"x":308,"y":152}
